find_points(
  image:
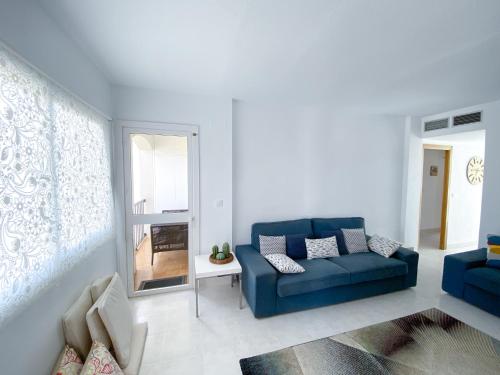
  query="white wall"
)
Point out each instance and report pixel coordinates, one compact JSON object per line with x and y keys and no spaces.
{"x":213,"y":115}
{"x":490,"y":217}
{"x":432,"y":190}
{"x":461,"y":228}
{"x":31,"y":342}
{"x":412,"y":182}
{"x":464,"y":212}
{"x":26,"y":28}
{"x":302,"y":162}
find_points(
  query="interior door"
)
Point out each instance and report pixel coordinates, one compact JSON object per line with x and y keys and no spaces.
{"x":161,"y":203}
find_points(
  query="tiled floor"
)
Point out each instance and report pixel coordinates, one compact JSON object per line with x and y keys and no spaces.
{"x":429,"y":239}
{"x":178,"y":343}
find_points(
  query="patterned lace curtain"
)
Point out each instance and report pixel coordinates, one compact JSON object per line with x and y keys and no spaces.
{"x":55,"y":185}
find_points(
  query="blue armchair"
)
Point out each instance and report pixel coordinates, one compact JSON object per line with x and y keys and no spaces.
{"x":466,"y":276}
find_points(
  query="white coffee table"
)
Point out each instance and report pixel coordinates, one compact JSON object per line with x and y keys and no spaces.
{"x":204,"y":269}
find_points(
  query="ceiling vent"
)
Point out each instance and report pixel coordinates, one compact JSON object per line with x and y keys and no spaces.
{"x":469,"y":118}
{"x":436,"y":124}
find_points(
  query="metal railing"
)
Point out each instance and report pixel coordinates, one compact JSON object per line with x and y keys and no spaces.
{"x":138,"y":231}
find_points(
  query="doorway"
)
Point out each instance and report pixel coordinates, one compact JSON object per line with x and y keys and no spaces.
{"x":435,"y":196}
{"x":161,"y":205}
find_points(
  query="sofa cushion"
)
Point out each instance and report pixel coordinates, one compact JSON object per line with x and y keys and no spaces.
{"x":296,"y":246}
{"x":96,"y":326}
{"x":370,"y":266}
{"x":76,"y":331}
{"x":272,"y":245}
{"x":137,"y":350}
{"x":284,"y":264}
{"x":355,"y":240}
{"x":321,"y":225}
{"x":319,"y":274}
{"x":68,"y":363}
{"x":116,"y":315}
{"x":340,"y":239}
{"x":493,"y":263}
{"x":280,"y":228}
{"x":486,"y":278}
{"x":383,"y":246}
{"x":100,"y":361}
{"x":98,"y":287}
{"x":322,"y":247}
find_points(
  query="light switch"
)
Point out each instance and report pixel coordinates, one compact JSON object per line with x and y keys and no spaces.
{"x":219,"y":203}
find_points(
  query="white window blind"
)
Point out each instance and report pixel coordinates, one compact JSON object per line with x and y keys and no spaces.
{"x":55,"y":185}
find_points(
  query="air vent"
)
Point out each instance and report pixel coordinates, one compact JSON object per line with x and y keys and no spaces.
{"x":469,"y":118}
{"x":436,"y":124}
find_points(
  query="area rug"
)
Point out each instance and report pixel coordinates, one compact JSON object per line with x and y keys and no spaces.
{"x":428,"y":342}
{"x":163,"y":283}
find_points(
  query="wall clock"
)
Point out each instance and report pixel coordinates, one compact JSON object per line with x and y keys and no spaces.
{"x":475,"y":170}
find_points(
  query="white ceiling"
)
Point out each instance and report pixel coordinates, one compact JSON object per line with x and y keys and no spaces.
{"x":388,"y":56}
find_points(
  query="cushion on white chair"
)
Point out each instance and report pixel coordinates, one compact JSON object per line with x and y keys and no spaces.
{"x":98,"y":287}
{"x":96,"y":327}
{"x":100,"y":361}
{"x":139,"y":335}
{"x":76,"y":332}
{"x":115,"y":312}
{"x":68,"y":363}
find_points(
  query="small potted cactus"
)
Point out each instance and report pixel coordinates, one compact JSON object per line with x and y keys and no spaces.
{"x":221,"y":256}
{"x":226,"y":249}
{"x":215,"y":251}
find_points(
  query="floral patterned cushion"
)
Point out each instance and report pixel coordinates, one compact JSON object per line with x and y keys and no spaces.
{"x":69,"y":362}
{"x":100,"y":361}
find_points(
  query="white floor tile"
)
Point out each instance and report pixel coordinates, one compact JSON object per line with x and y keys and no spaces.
{"x":179,"y":343}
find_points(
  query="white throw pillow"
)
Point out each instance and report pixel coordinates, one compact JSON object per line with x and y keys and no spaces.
{"x":99,"y":286}
{"x":76,"y":331}
{"x":383,"y":246}
{"x":272,"y":245}
{"x":322,"y":247}
{"x":355,"y":240}
{"x":115,"y":312}
{"x":96,"y":327}
{"x":284,"y":264}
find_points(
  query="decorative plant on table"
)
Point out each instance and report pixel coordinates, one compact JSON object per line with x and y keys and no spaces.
{"x":215,"y":251}
{"x":221,"y":254}
{"x":226,"y":249}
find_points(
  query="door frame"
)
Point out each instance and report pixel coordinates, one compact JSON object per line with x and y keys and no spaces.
{"x":124,"y":219}
{"x":448,"y":150}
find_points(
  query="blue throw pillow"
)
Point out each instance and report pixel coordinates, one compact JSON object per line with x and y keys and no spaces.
{"x":296,"y":246}
{"x":494,"y":263}
{"x":340,"y":239}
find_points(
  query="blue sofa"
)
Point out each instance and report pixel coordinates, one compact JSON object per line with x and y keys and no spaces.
{"x":325,"y":281}
{"x":466,"y":276}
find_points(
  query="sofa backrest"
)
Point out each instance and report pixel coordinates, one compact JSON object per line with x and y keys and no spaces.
{"x":309,"y":227}
{"x":321,"y":225}
{"x":279,"y":228}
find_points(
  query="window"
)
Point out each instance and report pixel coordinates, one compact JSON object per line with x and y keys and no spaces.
{"x":55,"y":185}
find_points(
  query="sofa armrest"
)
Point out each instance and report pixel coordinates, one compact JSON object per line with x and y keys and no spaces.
{"x":410,"y":257}
{"x":454,"y":269}
{"x":258,"y":280}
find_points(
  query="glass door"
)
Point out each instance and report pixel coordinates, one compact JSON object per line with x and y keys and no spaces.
{"x":160,"y":170}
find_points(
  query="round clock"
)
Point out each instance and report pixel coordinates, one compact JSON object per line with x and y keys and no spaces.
{"x":475,"y":170}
